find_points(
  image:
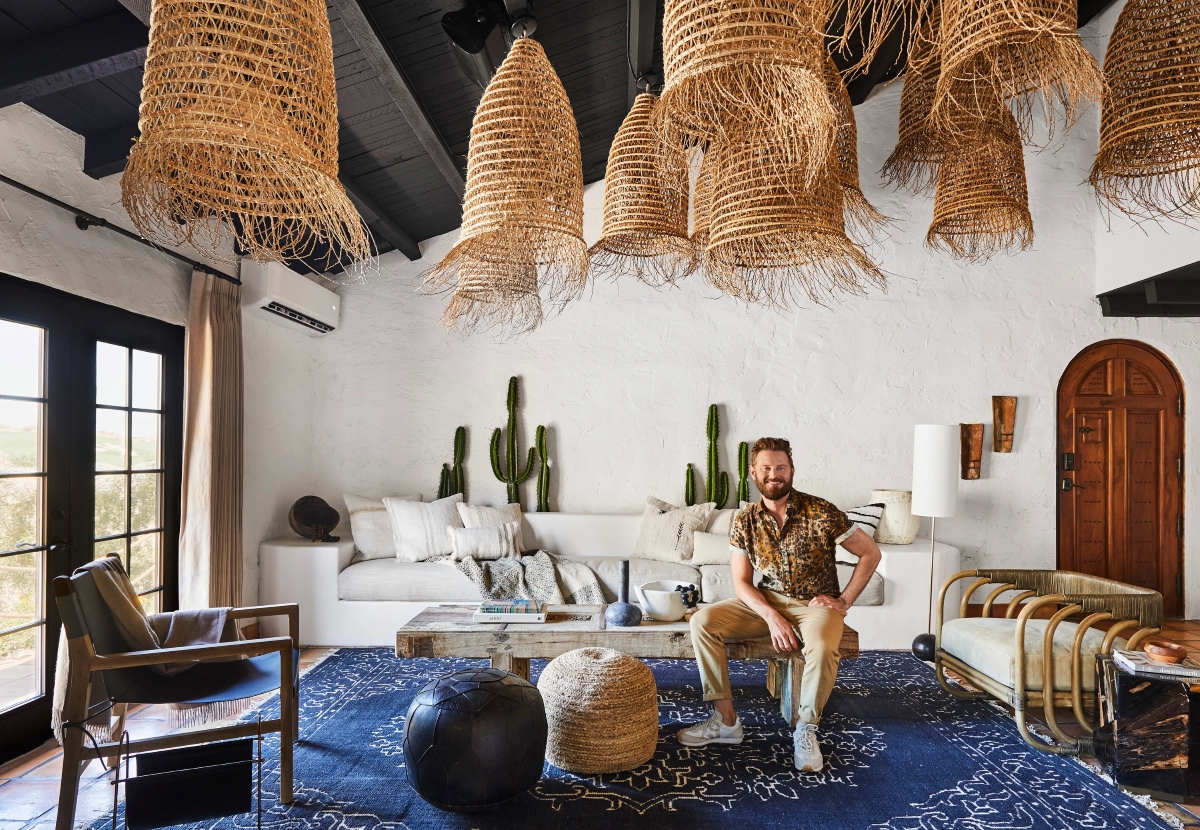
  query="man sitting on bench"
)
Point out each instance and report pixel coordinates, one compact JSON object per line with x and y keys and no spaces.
{"x":790,"y":537}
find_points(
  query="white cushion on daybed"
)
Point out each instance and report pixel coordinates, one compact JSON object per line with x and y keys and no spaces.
{"x":989,"y":645}
{"x":716,"y":584}
{"x":384,"y":580}
{"x":641,"y":571}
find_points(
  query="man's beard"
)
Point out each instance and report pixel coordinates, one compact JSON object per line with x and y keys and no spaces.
{"x":775,"y":489}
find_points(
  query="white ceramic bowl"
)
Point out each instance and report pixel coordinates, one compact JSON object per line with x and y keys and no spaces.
{"x":661,"y":601}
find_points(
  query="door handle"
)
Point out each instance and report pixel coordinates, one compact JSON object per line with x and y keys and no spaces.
{"x":1069,"y":485}
{"x":57,"y":544}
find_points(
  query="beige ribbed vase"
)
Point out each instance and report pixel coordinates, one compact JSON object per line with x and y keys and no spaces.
{"x":601,"y":710}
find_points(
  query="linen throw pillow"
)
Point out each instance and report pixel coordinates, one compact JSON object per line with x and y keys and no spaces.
{"x":867,"y":517}
{"x":488,"y":542}
{"x":371,"y":527}
{"x":478,"y":516}
{"x":710,"y":549}
{"x":420,"y":529}
{"x":668,"y":532}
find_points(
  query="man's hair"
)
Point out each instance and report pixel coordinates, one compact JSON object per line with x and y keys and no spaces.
{"x":775,"y":444}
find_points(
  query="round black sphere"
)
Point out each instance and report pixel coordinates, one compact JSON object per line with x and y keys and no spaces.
{"x":924,"y":647}
{"x":475,"y":738}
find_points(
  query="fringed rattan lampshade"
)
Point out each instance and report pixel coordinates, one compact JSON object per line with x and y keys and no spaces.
{"x":914,"y":162}
{"x":239,"y":133}
{"x":1149,"y":159}
{"x":523,"y":211}
{"x":1018,"y":50}
{"x":732,"y":65}
{"x":645,"y":204}
{"x":861,"y":215}
{"x":702,"y":202}
{"x":982,"y":206}
{"x":776,"y":241}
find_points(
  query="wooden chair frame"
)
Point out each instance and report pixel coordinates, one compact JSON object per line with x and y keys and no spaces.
{"x":1131,"y":607}
{"x":84,"y":661}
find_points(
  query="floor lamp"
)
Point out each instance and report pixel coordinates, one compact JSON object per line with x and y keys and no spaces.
{"x":936,"y":450}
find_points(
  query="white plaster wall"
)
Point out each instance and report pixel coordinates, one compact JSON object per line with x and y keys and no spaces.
{"x":622,"y":378}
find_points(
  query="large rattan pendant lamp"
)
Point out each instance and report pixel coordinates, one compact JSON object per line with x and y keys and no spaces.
{"x":730,"y":66}
{"x":982,"y":206}
{"x":702,"y":202}
{"x":776,"y":239}
{"x":645,"y":231}
{"x":239,"y":133}
{"x":523,"y":211}
{"x":861,"y":215}
{"x":1149,"y":159}
{"x":920,"y":149}
{"x":1020,"y":50}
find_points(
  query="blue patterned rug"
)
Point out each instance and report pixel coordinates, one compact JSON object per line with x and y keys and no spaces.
{"x":900,"y":754}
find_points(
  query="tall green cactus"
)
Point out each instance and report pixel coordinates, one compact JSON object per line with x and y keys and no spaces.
{"x":453,"y":479}
{"x":716,"y":485}
{"x":689,"y":487}
{"x":543,"y":482}
{"x":743,"y":493}
{"x":509,"y":475}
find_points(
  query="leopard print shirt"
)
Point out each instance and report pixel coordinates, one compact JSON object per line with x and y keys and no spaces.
{"x":797,"y":560}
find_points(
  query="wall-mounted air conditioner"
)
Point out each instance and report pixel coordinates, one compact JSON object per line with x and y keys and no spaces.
{"x":275,"y":293}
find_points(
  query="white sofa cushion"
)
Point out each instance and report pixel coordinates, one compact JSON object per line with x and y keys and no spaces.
{"x":710,"y":549}
{"x":667,"y":531}
{"x":989,"y":645}
{"x":717,"y":584}
{"x":474,"y":515}
{"x":390,"y":580}
{"x":371,"y":526}
{"x":489,"y":542}
{"x":420,"y":529}
{"x":641,"y":571}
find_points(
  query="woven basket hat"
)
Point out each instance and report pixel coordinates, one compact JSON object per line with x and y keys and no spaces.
{"x":1149,"y":158}
{"x":601,"y":711}
{"x":524,"y":197}
{"x":982,"y":206}
{"x":920,"y":149}
{"x":645,"y":230}
{"x":861,"y":216}
{"x":1019,"y":50}
{"x":239,"y":133}
{"x":774,"y":240}
{"x":729,"y":66}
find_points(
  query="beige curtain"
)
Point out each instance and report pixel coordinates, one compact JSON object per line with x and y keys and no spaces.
{"x":210,"y":534}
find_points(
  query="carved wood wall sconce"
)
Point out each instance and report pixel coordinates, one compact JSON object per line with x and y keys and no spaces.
{"x":1004,"y":416}
{"x":971,"y":437}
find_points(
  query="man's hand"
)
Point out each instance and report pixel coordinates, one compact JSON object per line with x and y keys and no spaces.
{"x":782,"y":636}
{"x":822,"y":601}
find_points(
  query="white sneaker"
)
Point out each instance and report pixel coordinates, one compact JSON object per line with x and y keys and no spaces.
{"x":807,"y":753}
{"x":711,"y":731}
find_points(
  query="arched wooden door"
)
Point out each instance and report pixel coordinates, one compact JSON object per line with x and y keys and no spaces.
{"x":1120,"y":468}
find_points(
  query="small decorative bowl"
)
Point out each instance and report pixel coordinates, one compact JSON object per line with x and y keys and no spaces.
{"x":1165,"y":652}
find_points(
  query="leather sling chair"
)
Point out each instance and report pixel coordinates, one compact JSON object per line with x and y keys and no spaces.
{"x":1016,"y":658}
{"x":99,"y":654}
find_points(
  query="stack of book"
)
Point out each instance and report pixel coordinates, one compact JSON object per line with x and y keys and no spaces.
{"x":1139,"y":663}
{"x":511,"y":611}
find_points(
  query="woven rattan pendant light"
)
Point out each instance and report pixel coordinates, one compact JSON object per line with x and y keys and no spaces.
{"x":239,"y":133}
{"x":523,"y":211}
{"x":1149,"y":159}
{"x":645,"y":231}
{"x":702,"y":202}
{"x":730,"y":66}
{"x":1020,"y":50}
{"x":920,"y":149}
{"x":982,"y":206}
{"x":777,"y":241}
{"x":861,"y":216}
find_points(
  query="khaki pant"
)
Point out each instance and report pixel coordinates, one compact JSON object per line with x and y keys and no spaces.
{"x":820,"y":631}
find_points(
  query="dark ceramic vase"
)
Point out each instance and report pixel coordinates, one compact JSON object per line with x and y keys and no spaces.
{"x":621,"y":613}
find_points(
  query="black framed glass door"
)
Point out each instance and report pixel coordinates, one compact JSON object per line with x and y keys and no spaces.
{"x":91,"y":426}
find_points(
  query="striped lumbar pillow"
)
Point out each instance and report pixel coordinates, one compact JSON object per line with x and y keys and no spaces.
{"x":867,"y":517}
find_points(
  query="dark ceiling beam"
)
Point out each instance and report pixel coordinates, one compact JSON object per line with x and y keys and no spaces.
{"x":381,"y":60}
{"x":639,"y":29}
{"x":106,"y":152}
{"x":380,"y":223}
{"x":68,"y":57}
{"x":139,"y":9}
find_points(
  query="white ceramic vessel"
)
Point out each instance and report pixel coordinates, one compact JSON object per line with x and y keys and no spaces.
{"x":661,"y":601}
{"x":898,"y":525}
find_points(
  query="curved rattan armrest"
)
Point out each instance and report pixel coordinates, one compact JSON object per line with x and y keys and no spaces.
{"x":941,"y":603}
{"x":1091,"y":593}
{"x":185,"y":654}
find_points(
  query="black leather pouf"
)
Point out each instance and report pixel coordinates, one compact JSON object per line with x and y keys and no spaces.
{"x":474,"y":738}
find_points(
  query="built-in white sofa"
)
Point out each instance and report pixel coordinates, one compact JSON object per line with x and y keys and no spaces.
{"x":347,"y":602}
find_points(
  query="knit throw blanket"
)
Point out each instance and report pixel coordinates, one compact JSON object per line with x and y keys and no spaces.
{"x":541,"y":577}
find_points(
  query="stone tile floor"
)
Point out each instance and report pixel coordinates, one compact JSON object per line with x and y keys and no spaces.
{"x":29,"y":784}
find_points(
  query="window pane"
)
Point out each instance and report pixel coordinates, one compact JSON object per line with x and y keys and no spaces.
{"x":21,"y":369}
{"x":110,"y":439}
{"x":20,"y":668}
{"x":112,"y":370}
{"x":20,"y":447}
{"x":144,"y":450}
{"x":20,"y":512}
{"x":20,"y":674}
{"x":116,"y":546}
{"x":110,"y":505}
{"x":145,"y":502}
{"x":147,"y":370}
{"x":143,"y":563}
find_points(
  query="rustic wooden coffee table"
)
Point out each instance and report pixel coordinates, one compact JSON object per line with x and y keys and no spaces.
{"x":448,"y":631}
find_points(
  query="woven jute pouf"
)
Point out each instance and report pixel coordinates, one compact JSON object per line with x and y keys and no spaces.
{"x":601,"y":709}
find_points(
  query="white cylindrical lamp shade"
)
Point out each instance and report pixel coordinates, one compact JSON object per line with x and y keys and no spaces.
{"x":936,"y":450}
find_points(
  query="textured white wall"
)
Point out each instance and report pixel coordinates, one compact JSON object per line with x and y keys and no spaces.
{"x":622,"y":378}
